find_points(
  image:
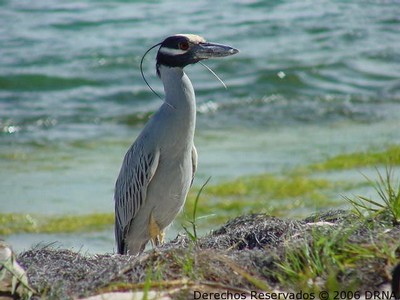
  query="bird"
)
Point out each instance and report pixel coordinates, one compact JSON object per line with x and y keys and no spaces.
{"x":158,"y":169}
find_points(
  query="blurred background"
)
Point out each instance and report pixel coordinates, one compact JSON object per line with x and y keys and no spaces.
{"x":313,"y":79}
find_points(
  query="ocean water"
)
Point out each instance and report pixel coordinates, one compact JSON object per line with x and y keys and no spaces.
{"x":312,"y":79}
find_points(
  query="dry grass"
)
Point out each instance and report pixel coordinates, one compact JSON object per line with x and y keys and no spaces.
{"x":250,"y":253}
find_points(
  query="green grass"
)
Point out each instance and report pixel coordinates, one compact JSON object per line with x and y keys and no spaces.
{"x":26,"y":223}
{"x":318,"y":264}
{"x":273,"y":186}
{"x":303,"y":265}
{"x":265,"y":193}
{"x":294,"y":192}
{"x":327,"y":257}
{"x":371,"y":158}
{"x":193,"y":220}
{"x":388,"y":205}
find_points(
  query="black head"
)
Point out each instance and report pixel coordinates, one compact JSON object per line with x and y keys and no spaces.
{"x":184,"y":49}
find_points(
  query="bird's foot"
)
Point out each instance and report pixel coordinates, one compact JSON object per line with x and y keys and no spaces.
{"x":156,"y":234}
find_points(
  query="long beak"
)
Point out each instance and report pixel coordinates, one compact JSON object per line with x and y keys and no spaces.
{"x":209,"y":50}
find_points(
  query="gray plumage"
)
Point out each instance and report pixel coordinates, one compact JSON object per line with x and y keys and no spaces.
{"x":159,"y":167}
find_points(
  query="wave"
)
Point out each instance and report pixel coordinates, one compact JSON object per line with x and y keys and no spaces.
{"x":41,"y":82}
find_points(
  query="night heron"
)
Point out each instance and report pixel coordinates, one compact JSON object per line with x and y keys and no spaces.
{"x":159,"y":167}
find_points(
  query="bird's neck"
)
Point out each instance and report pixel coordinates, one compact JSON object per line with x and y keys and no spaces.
{"x":179,"y":92}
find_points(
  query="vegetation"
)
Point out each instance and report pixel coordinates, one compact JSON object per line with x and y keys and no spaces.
{"x":17,"y":223}
{"x":192,"y":221}
{"x":332,"y":261}
{"x":294,"y":193}
{"x":390,"y":156}
{"x":352,"y":251}
{"x":335,"y":256}
{"x":333,"y":251}
{"x":388,"y":190}
{"x":266,"y":193}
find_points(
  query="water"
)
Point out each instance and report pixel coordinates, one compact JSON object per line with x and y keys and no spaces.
{"x":312,"y":80}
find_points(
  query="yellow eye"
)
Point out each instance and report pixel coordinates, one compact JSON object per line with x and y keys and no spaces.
{"x":183,"y":46}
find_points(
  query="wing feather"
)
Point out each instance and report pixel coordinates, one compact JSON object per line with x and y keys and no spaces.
{"x":138,"y":168}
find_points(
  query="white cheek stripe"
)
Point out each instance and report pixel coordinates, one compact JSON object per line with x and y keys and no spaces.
{"x":193,"y":38}
{"x":171,"y":51}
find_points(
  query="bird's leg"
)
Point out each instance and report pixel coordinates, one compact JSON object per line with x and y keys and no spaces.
{"x":156,"y":234}
{"x":161,"y":237}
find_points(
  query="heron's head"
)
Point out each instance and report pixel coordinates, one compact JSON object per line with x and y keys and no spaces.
{"x":181,"y":50}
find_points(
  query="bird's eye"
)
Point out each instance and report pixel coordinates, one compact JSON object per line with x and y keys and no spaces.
{"x":183,"y":46}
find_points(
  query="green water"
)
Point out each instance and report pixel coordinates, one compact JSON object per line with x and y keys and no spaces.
{"x":312,"y":80}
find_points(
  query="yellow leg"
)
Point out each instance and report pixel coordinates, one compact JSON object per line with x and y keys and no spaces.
{"x":160,"y":238}
{"x":156,"y":234}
